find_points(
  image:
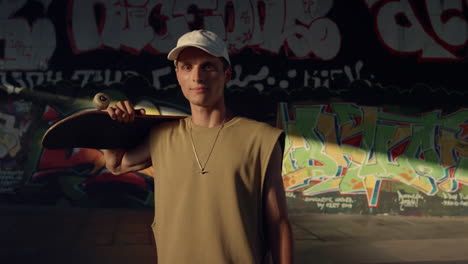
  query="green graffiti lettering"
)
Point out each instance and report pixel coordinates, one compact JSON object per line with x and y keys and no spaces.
{"x":353,"y":149}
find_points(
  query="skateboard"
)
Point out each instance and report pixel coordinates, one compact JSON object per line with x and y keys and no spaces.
{"x":95,"y":129}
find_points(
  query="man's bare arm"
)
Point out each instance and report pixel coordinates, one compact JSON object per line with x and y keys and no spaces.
{"x":279,"y":229}
{"x":119,"y":161}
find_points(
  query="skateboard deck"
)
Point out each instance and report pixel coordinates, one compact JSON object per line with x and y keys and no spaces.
{"x":95,"y":129}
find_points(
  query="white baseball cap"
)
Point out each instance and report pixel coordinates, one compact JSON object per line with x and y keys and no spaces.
{"x":202,"y":39}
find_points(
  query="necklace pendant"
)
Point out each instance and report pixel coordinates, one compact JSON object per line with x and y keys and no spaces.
{"x":202,"y":168}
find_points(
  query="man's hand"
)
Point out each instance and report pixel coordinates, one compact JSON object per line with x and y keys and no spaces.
{"x":124,"y":111}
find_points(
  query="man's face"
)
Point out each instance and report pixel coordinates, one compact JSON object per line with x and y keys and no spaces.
{"x":201,"y":77}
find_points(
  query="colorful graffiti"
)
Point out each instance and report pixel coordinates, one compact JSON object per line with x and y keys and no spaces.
{"x":73,"y":177}
{"x":352,"y":149}
{"x":80,"y":173}
{"x":405,"y":56}
{"x":16,"y":117}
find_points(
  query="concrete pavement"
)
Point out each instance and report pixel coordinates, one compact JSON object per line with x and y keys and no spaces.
{"x":380,"y":239}
{"x":79,"y":235}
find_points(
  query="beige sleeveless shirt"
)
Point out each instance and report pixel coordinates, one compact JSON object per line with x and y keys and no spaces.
{"x":215,"y":217}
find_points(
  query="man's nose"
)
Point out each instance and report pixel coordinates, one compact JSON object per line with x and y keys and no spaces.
{"x":197,"y":75}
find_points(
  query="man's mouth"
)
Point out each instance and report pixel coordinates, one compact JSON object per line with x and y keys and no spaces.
{"x":198,"y":89}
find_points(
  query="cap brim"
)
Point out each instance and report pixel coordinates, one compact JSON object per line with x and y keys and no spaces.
{"x":174,"y":53}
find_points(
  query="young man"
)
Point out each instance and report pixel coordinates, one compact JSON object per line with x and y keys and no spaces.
{"x":219,"y":195}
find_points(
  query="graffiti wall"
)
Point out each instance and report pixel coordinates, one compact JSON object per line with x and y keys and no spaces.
{"x":353,"y":150}
{"x":371,"y":95}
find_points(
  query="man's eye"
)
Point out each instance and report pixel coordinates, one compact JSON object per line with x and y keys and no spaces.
{"x":209,"y":67}
{"x":186,"y":67}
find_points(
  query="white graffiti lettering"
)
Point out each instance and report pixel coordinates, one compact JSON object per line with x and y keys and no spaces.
{"x":455,"y":200}
{"x":125,"y":25}
{"x":264,"y":77}
{"x":401,"y":29}
{"x":22,"y":106}
{"x":321,"y":36}
{"x":9,"y":180}
{"x":448,"y":28}
{"x":261,"y":75}
{"x":330,"y":202}
{"x":106,"y":77}
{"x":28,"y":80}
{"x":157,"y":74}
{"x":25,"y":47}
{"x":408,"y":200}
{"x":323,"y":77}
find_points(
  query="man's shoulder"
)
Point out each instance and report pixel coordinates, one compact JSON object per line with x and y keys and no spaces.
{"x":254,"y":124}
{"x":173,"y":123}
{"x":167,"y":126}
{"x":260,"y":131}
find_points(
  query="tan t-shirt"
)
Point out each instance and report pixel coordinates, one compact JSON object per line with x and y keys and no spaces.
{"x":215,"y":217}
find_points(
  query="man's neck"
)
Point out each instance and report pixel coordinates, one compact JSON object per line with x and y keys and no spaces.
{"x":208,"y":117}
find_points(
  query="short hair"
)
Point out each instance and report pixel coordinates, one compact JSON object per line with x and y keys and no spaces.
{"x":226,"y":64}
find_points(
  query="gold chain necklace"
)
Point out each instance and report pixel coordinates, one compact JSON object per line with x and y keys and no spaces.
{"x":202,"y":168}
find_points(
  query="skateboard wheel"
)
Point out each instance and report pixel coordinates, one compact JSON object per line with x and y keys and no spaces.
{"x":101,"y":101}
